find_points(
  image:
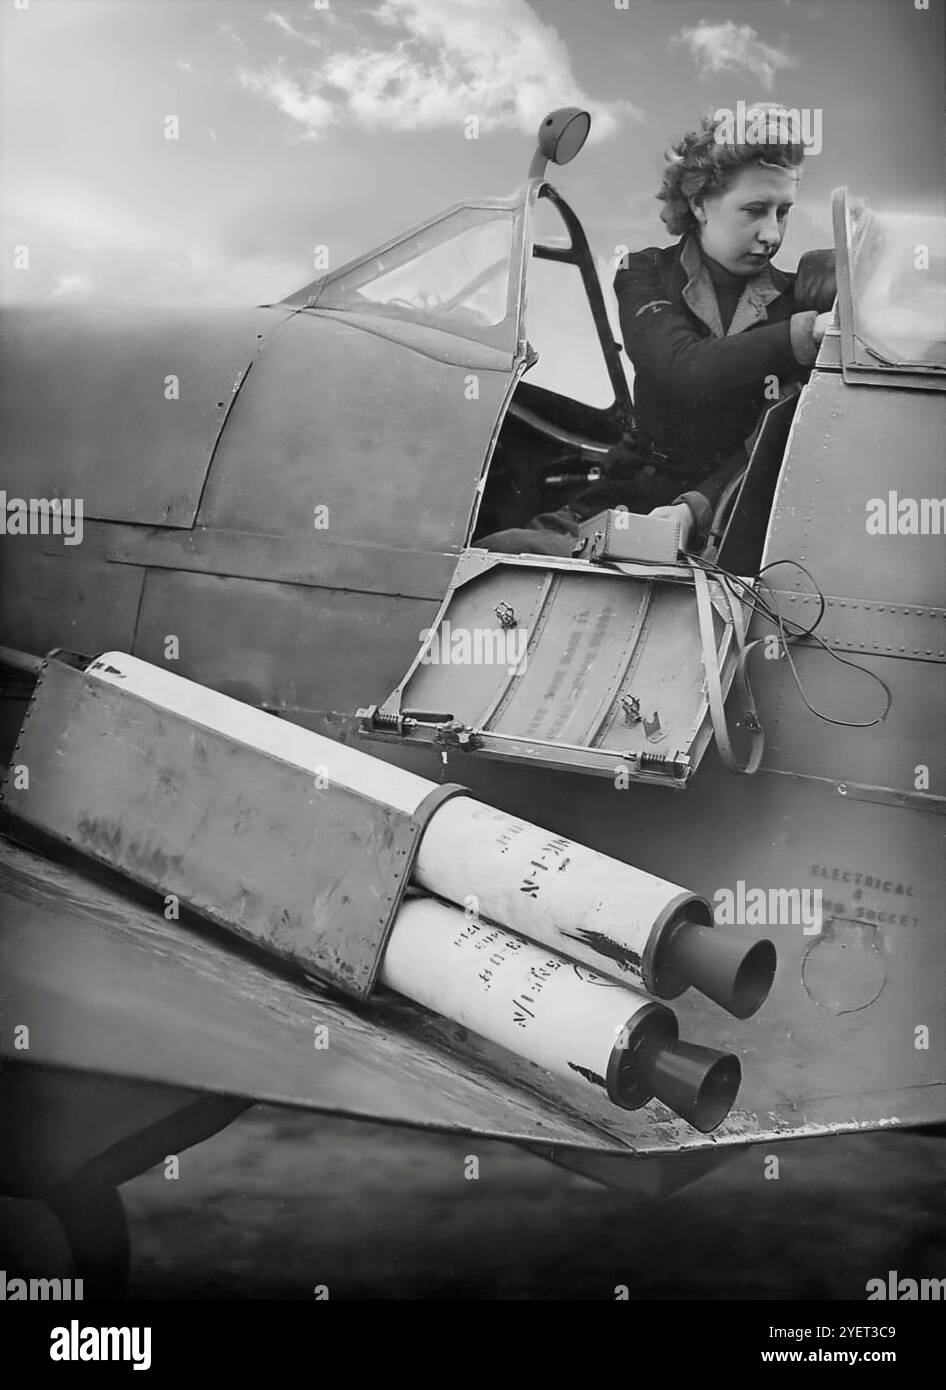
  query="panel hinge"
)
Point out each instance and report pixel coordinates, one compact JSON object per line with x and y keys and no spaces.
{"x":675,"y":765}
{"x":374,"y":720}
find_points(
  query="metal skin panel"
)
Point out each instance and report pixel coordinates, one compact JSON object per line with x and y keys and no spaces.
{"x":83,"y":412}
{"x":885,"y":755}
{"x":325,"y":564}
{"x":55,"y":595}
{"x":311,"y":873}
{"x":382,"y":435}
{"x":879,"y":629}
{"x":434,"y":342}
{"x":281,"y":646}
{"x":848,"y":445}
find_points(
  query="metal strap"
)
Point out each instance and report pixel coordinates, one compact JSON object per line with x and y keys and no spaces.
{"x":714,"y":689}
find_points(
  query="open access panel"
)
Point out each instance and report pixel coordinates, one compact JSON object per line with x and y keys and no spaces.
{"x":565,"y":664}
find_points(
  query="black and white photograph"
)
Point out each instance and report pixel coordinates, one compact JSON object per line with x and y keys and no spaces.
{"x":473,"y":668}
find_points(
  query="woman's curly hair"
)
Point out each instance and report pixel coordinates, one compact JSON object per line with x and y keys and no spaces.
{"x":700,"y":164}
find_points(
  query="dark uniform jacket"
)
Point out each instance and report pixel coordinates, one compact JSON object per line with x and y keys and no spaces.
{"x":699,"y":390}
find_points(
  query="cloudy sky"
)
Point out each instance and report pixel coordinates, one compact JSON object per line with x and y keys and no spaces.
{"x":341,"y":122}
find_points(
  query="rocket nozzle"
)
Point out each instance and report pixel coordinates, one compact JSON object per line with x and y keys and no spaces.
{"x":736,"y":974}
{"x":697,"y":1083}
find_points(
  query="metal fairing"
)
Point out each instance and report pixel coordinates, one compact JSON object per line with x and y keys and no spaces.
{"x":390,"y":440}
{"x":55,"y":595}
{"x":387,"y":441}
{"x":349,"y":467}
{"x":849,"y":446}
{"x":85,"y":409}
{"x":884,"y":593}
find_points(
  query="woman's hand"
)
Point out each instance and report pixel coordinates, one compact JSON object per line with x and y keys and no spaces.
{"x":680,"y":512}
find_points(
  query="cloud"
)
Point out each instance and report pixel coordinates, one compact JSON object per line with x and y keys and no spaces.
{"x":309,"y":109}
{"x":227,"y":28}
{"x":440,"y":62}
{"x":130,"y":257}
{"x":290,"y":30}
{"x":72,"y":287}
{"x":730,"y":47}
{"x":62,"y":209}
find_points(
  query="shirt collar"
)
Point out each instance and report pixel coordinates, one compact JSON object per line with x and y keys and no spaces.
{"x":700,"y":294}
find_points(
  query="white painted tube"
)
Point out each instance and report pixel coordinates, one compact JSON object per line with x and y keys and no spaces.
{"x":623,"y":922}
{"x":587,"y":905}
{"x":561,"y":1016}
{"x":618,"y":919}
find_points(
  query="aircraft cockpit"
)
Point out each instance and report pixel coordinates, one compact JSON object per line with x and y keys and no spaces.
{"x":510,"y":286}
{"x":515,"y":276}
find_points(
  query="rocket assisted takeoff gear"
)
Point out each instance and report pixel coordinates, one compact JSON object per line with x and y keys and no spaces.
{"x":306,"y":846}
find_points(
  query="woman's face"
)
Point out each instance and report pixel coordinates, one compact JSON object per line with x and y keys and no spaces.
{"x":743,"y":227}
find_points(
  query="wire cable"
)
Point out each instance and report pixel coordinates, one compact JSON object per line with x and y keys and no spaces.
{"x":770,"y":612}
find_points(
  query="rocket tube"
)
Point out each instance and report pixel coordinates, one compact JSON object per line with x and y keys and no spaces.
{"x":560,"y":1015}
{"x":623,"y":922}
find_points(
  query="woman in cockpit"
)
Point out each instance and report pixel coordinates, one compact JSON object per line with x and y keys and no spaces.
{"x":710,"y":325}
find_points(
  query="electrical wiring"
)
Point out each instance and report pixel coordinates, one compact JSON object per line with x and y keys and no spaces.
{"x":751,"y":598}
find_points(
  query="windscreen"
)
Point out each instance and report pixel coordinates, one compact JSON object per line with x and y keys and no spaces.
{"x":898,"y":286}
{"x":454,"y":275}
